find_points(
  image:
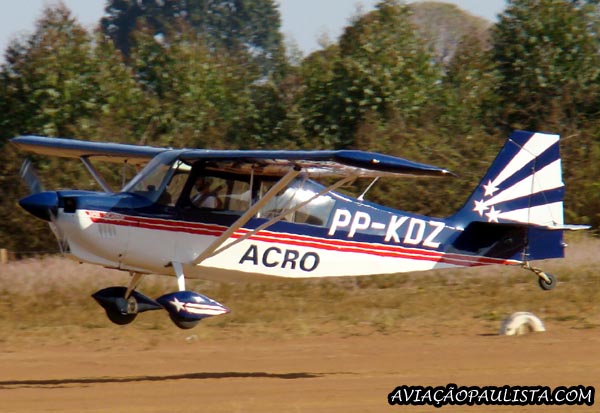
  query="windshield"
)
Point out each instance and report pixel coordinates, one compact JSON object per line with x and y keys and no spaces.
{"x":151,"y":180}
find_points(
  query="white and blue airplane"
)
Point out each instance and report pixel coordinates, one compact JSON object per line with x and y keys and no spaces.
{"x":243,"y":215}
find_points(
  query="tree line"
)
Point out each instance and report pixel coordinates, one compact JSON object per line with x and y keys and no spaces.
{"x":423,"y":81}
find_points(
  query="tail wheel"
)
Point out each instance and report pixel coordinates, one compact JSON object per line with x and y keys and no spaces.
{"x":546,"y":281}
{"x":549,"y":284}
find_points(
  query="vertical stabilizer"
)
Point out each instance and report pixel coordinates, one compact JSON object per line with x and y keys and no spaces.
{"x":523,"y":185}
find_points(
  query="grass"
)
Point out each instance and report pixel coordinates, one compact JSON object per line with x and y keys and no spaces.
{"x":51,"y":296}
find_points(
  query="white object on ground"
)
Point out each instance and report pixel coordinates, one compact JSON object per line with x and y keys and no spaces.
{"x":521,"y":323}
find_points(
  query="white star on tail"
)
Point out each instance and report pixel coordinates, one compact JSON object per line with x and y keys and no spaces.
{"x":493,"y":214}
{"x":490,"y":188}
{"x":480,"y":207}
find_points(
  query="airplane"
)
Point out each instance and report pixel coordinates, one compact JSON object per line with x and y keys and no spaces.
{"x":233,"y":215}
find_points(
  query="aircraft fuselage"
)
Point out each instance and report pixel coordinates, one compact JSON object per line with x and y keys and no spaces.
{"x":128,"y":232}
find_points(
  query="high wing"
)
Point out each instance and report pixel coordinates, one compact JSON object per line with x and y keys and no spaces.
{"x":72,"y":148}
{"x":259,"y":162}
{"x":314,"y":163}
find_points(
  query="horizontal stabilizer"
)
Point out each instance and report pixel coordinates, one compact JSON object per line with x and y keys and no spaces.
{"x":568,"y":227}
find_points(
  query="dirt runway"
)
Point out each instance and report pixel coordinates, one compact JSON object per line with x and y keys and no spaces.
{"x":313,"y":374}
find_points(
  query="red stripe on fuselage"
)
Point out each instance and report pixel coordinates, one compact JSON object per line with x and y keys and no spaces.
{"x":382,"y":250}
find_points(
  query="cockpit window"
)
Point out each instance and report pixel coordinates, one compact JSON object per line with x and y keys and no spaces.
{"x":176,"y":184}
{"x":152,"y":181}
{"x":169,"y":181}
{"x":221,"y":193}
{"x":205,"y":193}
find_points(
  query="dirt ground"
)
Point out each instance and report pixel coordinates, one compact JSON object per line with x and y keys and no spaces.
{"x":184,"y":372}
{"x":345,"y":352}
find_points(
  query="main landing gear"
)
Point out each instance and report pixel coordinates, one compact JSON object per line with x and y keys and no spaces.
{"x":122,"y":308}
{"x":546,"y":280}
{"x":186,"y":308}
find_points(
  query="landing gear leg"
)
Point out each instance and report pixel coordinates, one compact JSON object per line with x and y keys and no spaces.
{"x":132,"y":304}
{"x":546,"y":280}
{"x":180,"y":276}
{"x":136,"y":277}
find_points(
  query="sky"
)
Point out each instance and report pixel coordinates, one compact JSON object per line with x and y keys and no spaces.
{"x":304,"y":22}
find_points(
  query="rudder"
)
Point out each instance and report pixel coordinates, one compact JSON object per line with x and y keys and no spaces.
{"x":523,"y":185}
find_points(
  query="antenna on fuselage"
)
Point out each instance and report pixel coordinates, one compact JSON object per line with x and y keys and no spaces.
{"x":362,"y":196}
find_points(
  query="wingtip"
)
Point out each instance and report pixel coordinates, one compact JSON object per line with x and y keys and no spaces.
{"x":449,"y":173}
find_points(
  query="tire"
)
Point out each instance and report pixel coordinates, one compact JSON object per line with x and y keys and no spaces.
{"x":119,"y":318}
{"x":182,"y":323}
{"x":124,"y":312}
{"x":548,"y":286}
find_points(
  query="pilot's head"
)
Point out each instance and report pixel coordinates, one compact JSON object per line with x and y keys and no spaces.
{"x":202,"y":184}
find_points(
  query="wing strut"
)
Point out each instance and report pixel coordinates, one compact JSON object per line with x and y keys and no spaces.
{"x":241,"y":221}
{"x":94,"y":172}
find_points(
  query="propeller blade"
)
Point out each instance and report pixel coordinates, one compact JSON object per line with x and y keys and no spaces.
{"x":30,"y":177}
{"x":42,"y":204}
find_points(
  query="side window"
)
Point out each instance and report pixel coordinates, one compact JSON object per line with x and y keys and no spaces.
{"x":316,"y":211}
{"x":238,"y":195}
{"x":219,"y":193}
{"x":278,"y":204}
{"x":208,"y":192}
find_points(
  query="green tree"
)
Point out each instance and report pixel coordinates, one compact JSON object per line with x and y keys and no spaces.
{"x":547,"y":55}
{"x":46,"y":78}
{"x":201,"y":94}
{"x":60,"y":81}
{"x":468,"y":102}
{"x":546,"y":52}
{"x":251,"y":26}
{"x":121,"y":109}
{"x":381,"y":68}
{"x":44,"y":92}
{"x":444,"y":27}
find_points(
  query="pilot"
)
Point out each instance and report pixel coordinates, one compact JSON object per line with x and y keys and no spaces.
{"x":205,"y":198}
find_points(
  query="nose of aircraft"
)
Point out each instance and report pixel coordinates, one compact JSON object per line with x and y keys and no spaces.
{"x":41,"y":205}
